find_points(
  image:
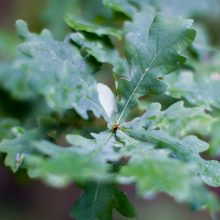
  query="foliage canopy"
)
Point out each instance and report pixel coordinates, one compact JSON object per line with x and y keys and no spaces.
{"x":155,"y":146}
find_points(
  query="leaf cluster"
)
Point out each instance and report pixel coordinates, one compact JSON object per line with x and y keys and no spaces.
{"x":158,"y":150}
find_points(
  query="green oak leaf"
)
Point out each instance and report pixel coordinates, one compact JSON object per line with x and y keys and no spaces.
{"x":103,"y":50}
{"x":172,"y":7}
{"x":129,"y":7}
{"x":157,"y":172}
{"x":98,"y":201}
{"x":74,"y":164}
{"x":55,"y":70}
{"x":18,"y":148}
{"x":55,"y":10}
{"x":92,"y":28}
{"x":13,"y":78}
{"x":191,"y":86}
{"x":91,"y":156}
{"x":8,"y":128}
{"x":187,"y":150}
{"x":201,"y":197}
{"x":188,"y":8}
{"x":158,"y":128}
{"x":152,"y":52}
{"x":193,"y":120}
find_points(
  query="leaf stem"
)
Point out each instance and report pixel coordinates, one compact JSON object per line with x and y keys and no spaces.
{"x":132,"y":94}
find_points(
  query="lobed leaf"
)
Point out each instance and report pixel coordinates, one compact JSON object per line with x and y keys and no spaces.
{"x":18,"y":148}
{"x":157,"y":172}
{"x":103,"y":51}
{"x":153,"y":52}
{"x":74,"y":165}
{"x":187,"y":150}
{"x":189,"y":86}
{"x":55,"y":70}
{"x":98,"y":202}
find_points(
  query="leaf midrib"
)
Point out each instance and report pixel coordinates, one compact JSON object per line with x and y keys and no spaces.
{"x":143,"y":75}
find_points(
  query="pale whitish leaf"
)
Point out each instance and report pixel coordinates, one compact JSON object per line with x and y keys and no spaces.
{"x":152,"y":52}
{"x":98,"y":201}
{"x":107,"y":99}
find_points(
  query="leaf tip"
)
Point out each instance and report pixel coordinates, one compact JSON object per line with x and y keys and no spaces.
{"x":22,"y":28}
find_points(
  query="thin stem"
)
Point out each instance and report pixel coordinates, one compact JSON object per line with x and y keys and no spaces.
{"x":157,"y":52}
{"x":131,"y":96}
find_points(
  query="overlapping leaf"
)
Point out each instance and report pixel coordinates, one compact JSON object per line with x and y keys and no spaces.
{"x":87,"y":160}
{"x":186,"y":149}
{"x":7,"y":126}
{"x":74,"y":164}
{"x":98,"y":202}
{"x":156,"y":172}
{"x":98,"y":44}
{"x":192,"y":121}
{"x":92,"y":28}
{"x":18,"y":148}
{"x":191,"y":87}
{"x":153,"y":150}
{"x":55,"y":70}
{"x":103,"y":50}
{"x":152,"y":51}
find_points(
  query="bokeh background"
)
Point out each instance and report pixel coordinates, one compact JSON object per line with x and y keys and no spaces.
{"x":25,"y":199}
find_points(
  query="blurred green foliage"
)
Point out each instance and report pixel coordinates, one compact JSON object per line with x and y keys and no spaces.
{"x":40,"y":97}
